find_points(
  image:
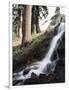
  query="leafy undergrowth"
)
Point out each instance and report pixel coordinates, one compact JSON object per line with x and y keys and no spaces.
{"x":36,"y":51}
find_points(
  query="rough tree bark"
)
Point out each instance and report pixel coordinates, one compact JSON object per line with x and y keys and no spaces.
{"x":37,"y":20}
{"x":26,"y":25}
{"x":34,"y":20}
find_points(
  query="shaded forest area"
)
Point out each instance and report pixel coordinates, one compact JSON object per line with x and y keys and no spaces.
{"x":30,"y":44}
{"x":26,"y":29}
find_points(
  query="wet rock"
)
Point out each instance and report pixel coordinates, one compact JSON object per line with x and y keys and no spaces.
{"x":50,"y":67}
{"x":33,"y":75}
{"x":26,"y":71}
{"x":63,"y":37}
{"x":31,"y":81}
{"x":36,"y":79}
{"x":42,"y":79}
{"x":42,"y":76}
{"x":16,"y":82}
{"x":60,"y":66}
{"x":54,"y":56}
{"x":60,"y":70}
{"x":51,"y":77}
{"x":61,"y":48}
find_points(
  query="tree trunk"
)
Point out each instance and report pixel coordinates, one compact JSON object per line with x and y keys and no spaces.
{"x":34,"y":20}
{"x":26,"y":25}
{"x":37,"y":19}
{"x":20,"y":29}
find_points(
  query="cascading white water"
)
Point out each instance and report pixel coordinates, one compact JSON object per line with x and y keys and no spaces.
{"x":42,"y":66}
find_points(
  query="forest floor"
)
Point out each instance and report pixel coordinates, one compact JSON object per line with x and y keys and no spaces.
{"x":17,"y":41}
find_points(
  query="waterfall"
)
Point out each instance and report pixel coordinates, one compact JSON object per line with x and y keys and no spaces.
{"x":47,"y":60}
{"x":44,"y":66}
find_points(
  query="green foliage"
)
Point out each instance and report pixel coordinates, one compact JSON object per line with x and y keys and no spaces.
{"x":16,"y":13}
{"x":38,"y":12}
{"x":44,"y":11}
